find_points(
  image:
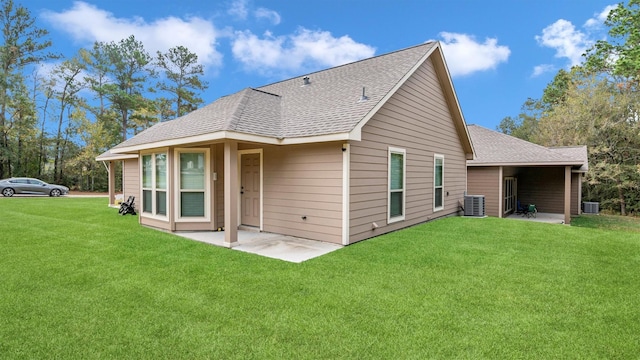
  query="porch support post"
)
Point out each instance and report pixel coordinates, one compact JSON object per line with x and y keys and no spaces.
{"x":567,"y":194}
{"x":579,"y":194}
{"x":230,"y":193}
{"x":112,"y":183}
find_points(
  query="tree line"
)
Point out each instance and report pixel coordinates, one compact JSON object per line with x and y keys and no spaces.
{"x":53,"y":124}
{"x":596,"y":104}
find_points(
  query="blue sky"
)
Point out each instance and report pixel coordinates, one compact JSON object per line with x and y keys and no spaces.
{"x":499,"y":52}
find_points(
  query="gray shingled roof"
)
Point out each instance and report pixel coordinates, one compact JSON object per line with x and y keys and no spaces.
{"x":288,"y":109}
{"x":578,"y":153}
{"x":494,"y":148}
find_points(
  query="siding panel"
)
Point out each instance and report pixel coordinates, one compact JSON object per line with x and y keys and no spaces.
{"x":485,"y":181}
{"x":304,"y":181}
{"x":131,"y":180}
{"x":416,"y":118}
{"x":543,"y":187}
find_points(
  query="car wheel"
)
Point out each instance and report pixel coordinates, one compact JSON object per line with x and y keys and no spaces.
{"x":55,"y":192}
{"x":8,"y":192}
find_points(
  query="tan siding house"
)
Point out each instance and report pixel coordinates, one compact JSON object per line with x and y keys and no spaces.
{"x":416,"y":119}
{"x":338,"y":155}
{"x":508,"y":171}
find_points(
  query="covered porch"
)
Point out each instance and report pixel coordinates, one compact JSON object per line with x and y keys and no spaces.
{"x":110,"y":160}
{"x":230,"y":184}
{"x":554,"y":190}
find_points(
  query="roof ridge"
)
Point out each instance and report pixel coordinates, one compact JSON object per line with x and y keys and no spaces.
{"x":346,"y":64}
{"x":234,"y":118}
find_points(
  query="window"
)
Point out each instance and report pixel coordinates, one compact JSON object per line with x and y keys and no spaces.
{"x":193,"y":180}
{"x":438,"y":182}
{"x":397,"y":174}
{"x":154,"y":184}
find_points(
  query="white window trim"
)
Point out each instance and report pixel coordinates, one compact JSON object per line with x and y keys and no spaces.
{"x":403,"y":152}
{"x":153,"y":189}
{"x":207,"y":185}
{"x":435,"y":158}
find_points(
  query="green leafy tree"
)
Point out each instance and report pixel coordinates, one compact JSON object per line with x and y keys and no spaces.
{"x":66,"y":84}
{"x":525,"y":126}
{"x":616,"y":61}
{"x":619,"y":55}
{"x":556,"y":92}
{"x":22,"y":133}
{"x":96,"y":139}
{"x":182,"y":80}
{"x":595,"y":113}
{"x":123,"y":70}
{"x":22,"y":44}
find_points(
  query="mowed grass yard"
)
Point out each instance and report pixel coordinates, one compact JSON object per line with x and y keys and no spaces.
{"x":79,"y":281}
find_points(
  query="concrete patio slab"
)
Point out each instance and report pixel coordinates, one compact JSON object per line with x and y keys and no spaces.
{"x":276,"y":246}
{"x":540,"y":217}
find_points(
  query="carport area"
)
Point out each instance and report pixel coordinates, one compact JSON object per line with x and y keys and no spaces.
{"x":509,"y":172}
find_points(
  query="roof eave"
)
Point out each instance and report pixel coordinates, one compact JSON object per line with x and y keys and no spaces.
{"x":524,"y":164}
{"x":220,"y":136}
{"x":115,"y":157}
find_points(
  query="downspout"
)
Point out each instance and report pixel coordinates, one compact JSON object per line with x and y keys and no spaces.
{"x":346,"y":162}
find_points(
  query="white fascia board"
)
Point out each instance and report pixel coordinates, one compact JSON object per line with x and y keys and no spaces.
{"x":519,"y":164}
{"x":230,"y":135}
{"x":115,"y":157}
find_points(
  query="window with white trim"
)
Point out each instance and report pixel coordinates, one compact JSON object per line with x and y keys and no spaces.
{"x":192,"y":183}
{"x":397,"y":184}
{"x":438,"y":182}
{"x":154,"y":184}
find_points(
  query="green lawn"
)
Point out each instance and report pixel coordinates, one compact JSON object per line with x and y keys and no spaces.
{"x":79,"y":281}
{"x":611,"y":222}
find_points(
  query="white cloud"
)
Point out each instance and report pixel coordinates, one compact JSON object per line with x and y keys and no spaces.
{"x":270,"y":15}
{"x":305,"y":49}
{"x":542,"y":69}
{"x":87,"y":23}
{"x":238,"y":9}
{"x":599,"y":18}
{"x":465,"y":55}
{"x":568,"y":42}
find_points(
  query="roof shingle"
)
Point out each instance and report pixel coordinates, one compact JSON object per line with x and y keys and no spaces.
{"x":329,"y":104}
{"x":494,"y":148}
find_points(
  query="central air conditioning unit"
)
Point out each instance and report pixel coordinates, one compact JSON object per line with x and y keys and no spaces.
{"x":591,"y":207}
{"x":474,"y":205}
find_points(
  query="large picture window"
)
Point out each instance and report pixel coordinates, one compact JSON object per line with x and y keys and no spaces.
{"x":192,"y":183}
{"x":438,"y":182}
{"x":397,"y":182}
{"x":154,"y":184}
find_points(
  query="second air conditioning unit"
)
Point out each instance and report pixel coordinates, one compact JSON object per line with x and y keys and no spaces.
{"x":474,"y":205}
